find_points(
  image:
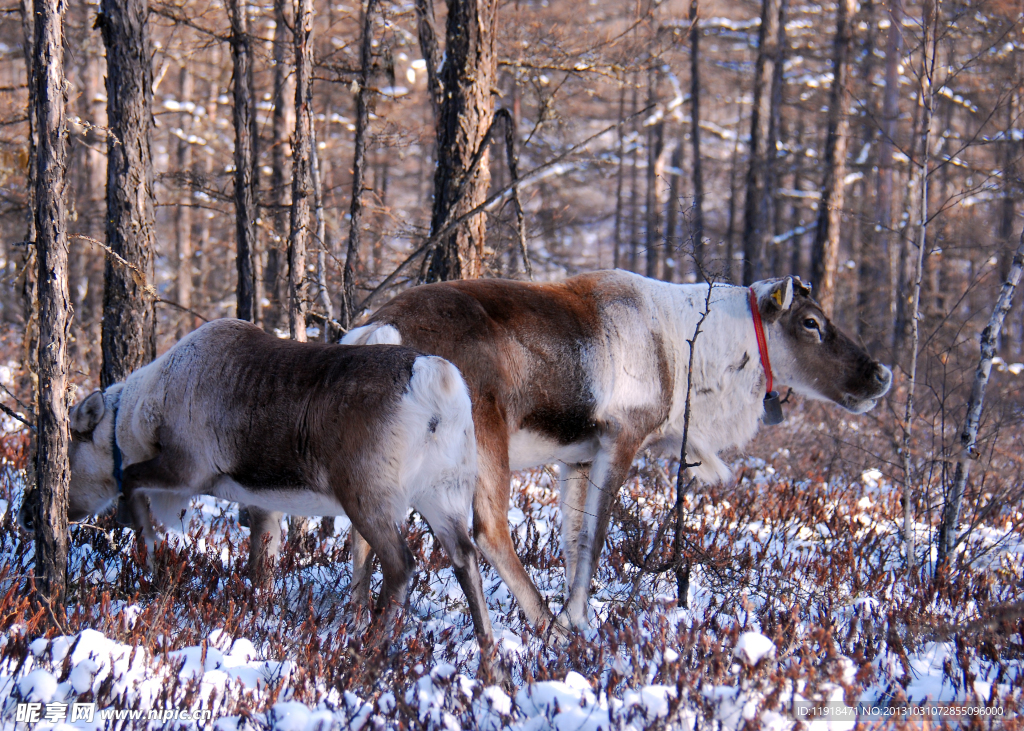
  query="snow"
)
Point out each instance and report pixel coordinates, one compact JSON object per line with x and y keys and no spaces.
{"x":753,"y":647}
{"x":623,"y":684}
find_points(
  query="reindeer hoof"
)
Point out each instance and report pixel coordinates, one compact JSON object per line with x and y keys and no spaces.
{"x":492,"y":670}
{"x":557,"y":633}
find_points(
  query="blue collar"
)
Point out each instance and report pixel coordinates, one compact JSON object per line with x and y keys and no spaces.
{"x":118,"y":470}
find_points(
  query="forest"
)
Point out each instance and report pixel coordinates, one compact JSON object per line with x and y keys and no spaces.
{"x":299,"y":163}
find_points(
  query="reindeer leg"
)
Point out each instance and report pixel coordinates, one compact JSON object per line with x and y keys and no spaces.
{"x":158,"y":472}
{"x":608,"y":472}
{"x":362,"y":564}
{"x":573,"y":480}
{"x":396,"y":560}
{"x":264,"y":544}
{"x":490,"y":516}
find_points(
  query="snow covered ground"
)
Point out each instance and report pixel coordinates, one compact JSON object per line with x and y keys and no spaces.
{"x":798,"y":608}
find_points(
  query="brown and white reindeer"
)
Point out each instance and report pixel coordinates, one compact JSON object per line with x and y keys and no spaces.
{"x":587,"y":372}
{"x":302,"y":428}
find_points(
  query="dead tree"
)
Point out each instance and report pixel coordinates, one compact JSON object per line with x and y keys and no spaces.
{"x":302,"y":171}
{"x":756,"y":224}
{"x":246,"y":174}
{"x":54,"y":473}
{"x":129,"y":332}
{"x":948,"y":529}
{"x":825,"y":252}
{"x":466,"y":110}
{"x":359,"y":165}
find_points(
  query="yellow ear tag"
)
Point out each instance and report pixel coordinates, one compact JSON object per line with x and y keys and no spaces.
{"x":777,"y":296}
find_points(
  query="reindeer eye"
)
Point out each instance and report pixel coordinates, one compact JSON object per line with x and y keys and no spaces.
{"x":811,"y":324}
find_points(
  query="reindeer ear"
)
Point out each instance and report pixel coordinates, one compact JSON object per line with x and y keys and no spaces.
{"x":774,"y":297}
{"x":86,"y":415}
{"x":802,"y":288}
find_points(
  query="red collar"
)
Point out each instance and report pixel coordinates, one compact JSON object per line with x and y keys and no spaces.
{"x":762,"y":342}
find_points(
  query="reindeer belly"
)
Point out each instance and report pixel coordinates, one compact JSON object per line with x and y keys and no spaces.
{"x":287,"y":499}
{"x":527,"y":448}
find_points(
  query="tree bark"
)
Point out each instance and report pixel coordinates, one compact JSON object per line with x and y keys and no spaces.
{"x":29,"y":262}
{"x":925,"y":100}
{"x":634,"y":185}
{"x":655,"y":142}
{"x":302,"y":174}
{"x":890,"y":116}
{"x":278,"y":187}
{"x":431,"y":53}
{"x":756,"y":228}
{"x":619,"y":176}
{"x":825,"y":253}
{"x":129,"y":332}
{"x":467,"y":109}
{"x":697,"y":223}
{"x":355,"y":231}
{"x":246,"y":172}
{"x":323,"y":245}
{"x":673,"y":240}
{"x":948,"y":538}
{"x":52,"y":467}
{"x":730,"y":234}
{"x":183,"y":215}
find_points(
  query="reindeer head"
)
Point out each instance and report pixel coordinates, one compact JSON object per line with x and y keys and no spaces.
{"x":811,"y":355}
{"x":91,"y":456}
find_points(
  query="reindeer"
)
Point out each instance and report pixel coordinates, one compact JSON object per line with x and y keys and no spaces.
{"x":587,"y":372}
{"x":301,"y":428}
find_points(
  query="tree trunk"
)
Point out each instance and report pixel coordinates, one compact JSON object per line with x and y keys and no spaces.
{"x":825,"y":253}
{"x":673,"y":240}
{"x":52,"y":467}
{"x":29,"y":263}
{"x":655,"y":141}
{"x":697,"y":223}
{"x":431,"y":53}
{"x":760,"y":193}
{"x":756,"y":229}
{"x":302,"y":173}
{"x":948,"y":538}
{"x":730,"y":234}
{"x":278,"y":187}
{"x":620,"y":174}
{"x":925,"y":99}
{"x":467,"y":109}
{"x":129,"y":332}
{"x":183,"y":216}
{"x":890,"y":116}
{"x":323,"y":245}
{"x":355,"y":231}
{"x":796,"y":211}
{"x":246,"y":173}
{"x":634,"y":187}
